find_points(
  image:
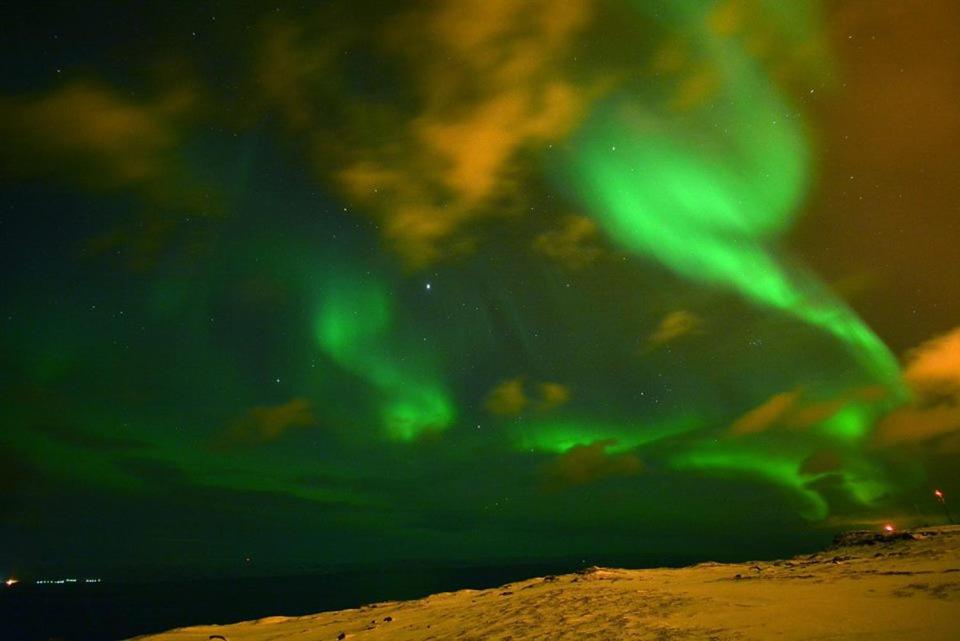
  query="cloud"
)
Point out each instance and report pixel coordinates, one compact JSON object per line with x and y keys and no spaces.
{"x":765,"y":415}
{"x":487,"y":82}
{"x":574,"y":243}
{"x":789,"y":410}
{"x":815,"y":412}
{"x":552,"y":395}
{"x":913,"y":424}
{"x":932,"y":371}
{"x":509,"y":398}
{"x":584,"y":464}
{"x":674,"y":325}
{"x":90,"y":136}
{"x":934,"y":366}
{"x":269,"y":423}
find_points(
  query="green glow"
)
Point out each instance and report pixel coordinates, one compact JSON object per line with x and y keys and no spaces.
{"x":864,"y":481}
{"x":851,"y":423}
{"x":559,"y":436}
{"x":463,"y":295}
{"x":706,"y":189}
{"x":352,"y":327}
{"x":351,"y":323}
{"x":417,"y":410}
{"x":781,"y":471}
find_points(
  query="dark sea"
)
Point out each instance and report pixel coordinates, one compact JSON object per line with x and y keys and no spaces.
{"x":110,"y":611}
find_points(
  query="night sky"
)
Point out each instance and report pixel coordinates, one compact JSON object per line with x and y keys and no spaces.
{"x":290,"y":286}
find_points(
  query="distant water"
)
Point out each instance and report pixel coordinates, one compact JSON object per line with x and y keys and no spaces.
{"x":113,"y":611}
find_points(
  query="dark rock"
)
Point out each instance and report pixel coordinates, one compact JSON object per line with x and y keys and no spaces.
{"x":341,"y":636}
{"x":387,"y":619}
{"x":870,"y":537}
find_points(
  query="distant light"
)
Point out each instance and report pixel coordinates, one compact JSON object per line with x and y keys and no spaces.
{"x":938,"y":494}
{"x":428,"y":287}
{"x":65,"y":581}
{"x":10,"y":582}
{"x":888,"y":528}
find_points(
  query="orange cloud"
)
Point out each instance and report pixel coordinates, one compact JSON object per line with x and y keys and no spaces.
{"x":766,"y":415}
{"x":912,"y":424}
{"x":488,"y":83}
{"x":789,"y":410}
{"x":813,"y":413}
{"x":490,"y":87}
{"x":934,"y":367}
{"x":573,"y":244}
{"x":674,"y":325}
{"x":90,"y":136}
{"x":269,"y":423}
{"x":584,"y":464}
{"x":552,"y":395}
{"x":509,"y":398}
{"x":932,"y":370}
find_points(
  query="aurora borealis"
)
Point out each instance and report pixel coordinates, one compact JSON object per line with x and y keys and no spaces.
{"x":474,"y":281}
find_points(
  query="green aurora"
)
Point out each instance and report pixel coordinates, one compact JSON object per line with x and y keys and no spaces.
{"x":466,"y":282}
{"x":353,"y":326}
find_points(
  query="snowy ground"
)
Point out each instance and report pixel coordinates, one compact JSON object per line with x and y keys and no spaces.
{"x":900,"y":589}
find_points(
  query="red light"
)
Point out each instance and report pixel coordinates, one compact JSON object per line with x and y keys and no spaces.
{"x":938,"y":494}
{"x":888,"y":528}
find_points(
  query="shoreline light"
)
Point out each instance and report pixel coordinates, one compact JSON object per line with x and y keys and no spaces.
{"x":65,"y":581}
